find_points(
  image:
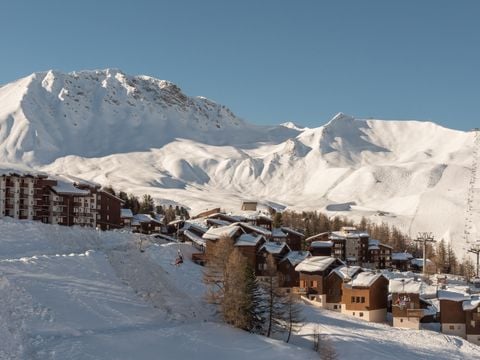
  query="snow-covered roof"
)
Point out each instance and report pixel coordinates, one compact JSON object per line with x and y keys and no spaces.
{"x":274,"y":247}
{"x":126,"y":213}
{"x":405,"y":285}
{"x":218,"y":222}
{"x":189,"y":225}
{"x":312,"y":238}
{"x":258,"y":229}
{"x":452,"y":295}
{"x":365,"y":279}
{"x":296,"y":257}
{"x":66,"y":188}
{"x":401,"y":256}
{"x":145,"y":218}
{"x":471,"y":304}
{"x":346,"y":272}
{"x":419,"y":262}
{"x":376,"y":244}
{"x":217,"y":233}
{"x":8,"y":169}
{"x":194,"y":238}
{"x":321,"y":244}
{"x":278,"y":233}
{"x":292,"y":231}
{"x":248,"y":240}
{"x":315,"y":263}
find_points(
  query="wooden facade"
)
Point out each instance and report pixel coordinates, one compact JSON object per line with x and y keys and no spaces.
{"x":367,"y":301}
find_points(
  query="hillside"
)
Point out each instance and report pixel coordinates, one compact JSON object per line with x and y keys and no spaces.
{"x":70,"y":293}
{"x":143,"y":135}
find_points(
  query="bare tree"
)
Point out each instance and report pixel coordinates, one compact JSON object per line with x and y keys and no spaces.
{"x":217,"y":255}
{"x":293,"y":312}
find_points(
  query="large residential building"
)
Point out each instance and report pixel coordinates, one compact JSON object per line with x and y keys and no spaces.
{"x":28,"y":195}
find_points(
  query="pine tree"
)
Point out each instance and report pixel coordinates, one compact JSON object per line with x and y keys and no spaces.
{"x":134,"y":204}
{"x":147,"y":205}
{"x":109,"y":189}
{"x":254,"y":305}
{"x":277,"y":220}
{"x":451,"y":259}
{"x":441,"y":257}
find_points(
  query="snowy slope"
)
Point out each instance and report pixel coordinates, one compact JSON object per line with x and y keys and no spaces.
{"x":80,"y":294}
{"x":142,"y":135}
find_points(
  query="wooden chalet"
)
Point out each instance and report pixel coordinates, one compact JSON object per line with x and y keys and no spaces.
{"x":146,"y":224}
{"x":126,"y":217}
{"x":288,"y":277}
{"x":313,"y":272}
{"x":250,"y":245}
{"x":401,"y":261}
{"x":294,"y":238}
{"x":334,"y":285}
{"x":366,"y":297}
{"x":277,"y":250}
{"x":407,"y":310}
{"x":460,"y":314}
{"x":321,"y":248}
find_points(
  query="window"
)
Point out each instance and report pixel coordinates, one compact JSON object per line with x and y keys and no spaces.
{"x":358,"y":299}
{"x":362,"y":299}
{"x":335,"y":307}
{"x":353,"y":299}
{"x":360,"y":314}
{"x":401,"y":320}
{"x":353,"y":313}
{"x":108,"y":217}
{"x":472,"y":323}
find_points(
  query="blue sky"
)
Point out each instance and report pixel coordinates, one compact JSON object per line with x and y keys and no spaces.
{"x":270,"y":61}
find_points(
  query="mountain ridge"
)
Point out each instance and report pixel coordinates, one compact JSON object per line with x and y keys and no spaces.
{"x":143,"y":135}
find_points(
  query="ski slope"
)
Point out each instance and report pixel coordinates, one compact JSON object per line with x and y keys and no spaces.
{"x":72,"y":293}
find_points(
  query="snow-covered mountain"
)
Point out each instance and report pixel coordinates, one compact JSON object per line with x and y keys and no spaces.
{"x":142,"y":135}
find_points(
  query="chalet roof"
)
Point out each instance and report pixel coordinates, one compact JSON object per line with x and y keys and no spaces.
{"x":312,"y":238}
{"x":278,"y":233}
{"x":229,"y":218}
{"x":401,"y":256}
{"x":365,"y":279}
{"x":248,"y":240}
{"x":67,"y":188}
{"x":218,"y":222}
{"x":376,"y":244}
{"x":346,"y":273}
{"x":81,"y":182}
{"x":453,"y":295}
{"x":321,"y":244}
{"x":274,"y":248}
{"x":296,"y":257}
{"x":217,"y":233}
{"x":292,"y":231}
{"x":145,"y":218}
{"x":419,"y":262}
{"x":175,"y":222}
{"x":126,"y":213}
{"x":352,"y":233}
{"x":257,"y":229}
{"x":471,"y":304}
{"x":405,"y":285}
{"x":315,"y":263}
{"x":194,"y":238}
{"x":189,"y":225}
{"x":106,"y":193}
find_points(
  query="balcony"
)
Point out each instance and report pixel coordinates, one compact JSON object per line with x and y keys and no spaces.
{"x":416,"y":313}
